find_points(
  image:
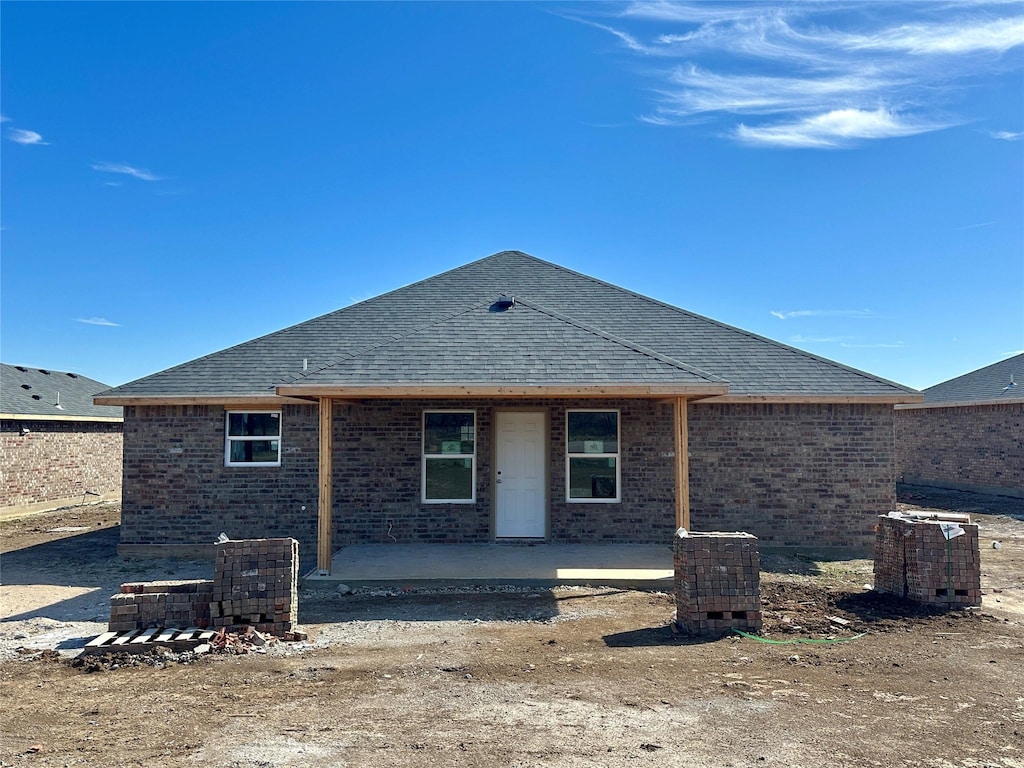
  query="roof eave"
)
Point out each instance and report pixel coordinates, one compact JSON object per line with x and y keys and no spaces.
{"x":365,"y":391}
{"x":199,"y":399}
{"x":963,"y":403}
{"x":893,"y":399}
{"x":62,"y":417}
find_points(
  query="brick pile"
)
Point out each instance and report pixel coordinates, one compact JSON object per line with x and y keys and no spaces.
{"x":256,"y":583}
{"x":914,"y":560}
{"x":717,"y":582}
{"x":141,"y":605}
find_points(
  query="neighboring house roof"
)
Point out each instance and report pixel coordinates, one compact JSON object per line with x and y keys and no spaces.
{"x":565,"y":327}
{"x":1002,"y":381}
{"x":47,"y":394}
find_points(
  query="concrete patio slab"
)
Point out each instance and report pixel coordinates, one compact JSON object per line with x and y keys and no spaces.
{"x":633,"y":565}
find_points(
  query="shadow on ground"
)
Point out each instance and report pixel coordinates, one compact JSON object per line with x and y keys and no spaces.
{"x":649,"y":637}
{"x":927,"y":497}
{"x":321,"y":608}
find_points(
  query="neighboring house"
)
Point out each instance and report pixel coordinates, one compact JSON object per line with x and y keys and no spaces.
{"x":57,"y":448}
{"x":968,"y":434}
{"x":507,"y":399}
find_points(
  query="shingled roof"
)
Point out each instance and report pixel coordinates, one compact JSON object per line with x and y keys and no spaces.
{"x":565,"y":327}
{"x":999,"y":382}
{"x":43,"y":393}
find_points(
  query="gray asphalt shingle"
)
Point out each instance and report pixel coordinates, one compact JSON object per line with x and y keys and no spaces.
{"x":28,"y":391}
{"x":541,"y":346}
{"x":989,"y":383}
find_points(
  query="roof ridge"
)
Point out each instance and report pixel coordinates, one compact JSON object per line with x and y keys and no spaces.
{"x":750,"y":334}
{"x":615,"y":339}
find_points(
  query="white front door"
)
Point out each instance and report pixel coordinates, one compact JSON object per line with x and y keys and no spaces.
{"x":519,"y":476}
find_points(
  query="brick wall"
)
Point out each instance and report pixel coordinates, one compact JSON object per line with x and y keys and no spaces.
{"x":58,"y":460}
{"x":973,"y":447}
{"x":799,"y":475}
{"x":789,"y":474}
{"x":178,"y":492}
{"x":377,"y":475}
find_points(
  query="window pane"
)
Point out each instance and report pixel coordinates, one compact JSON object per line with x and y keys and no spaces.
{"x":254,"y":424}
{"x":254,"y":450}
{"x":593,"y":432}
{"x":591,"y":478}
{"x":448,"y":433}
{"x":449,"y":479}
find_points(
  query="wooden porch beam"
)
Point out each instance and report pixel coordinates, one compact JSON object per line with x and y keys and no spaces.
{"x":326,"y":480}
{"x":681,"y":430}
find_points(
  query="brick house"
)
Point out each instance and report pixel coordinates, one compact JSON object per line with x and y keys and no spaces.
{"x":57,"y":448}
{"x":508,"y":399}
{"x":966,"y":435}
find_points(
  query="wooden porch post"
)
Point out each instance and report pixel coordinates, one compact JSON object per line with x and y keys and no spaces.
{"x":682,"y":463}
{"x":326,"y":473}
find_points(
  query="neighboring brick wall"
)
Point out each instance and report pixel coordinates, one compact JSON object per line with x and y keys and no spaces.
{"x":973,"y":447}
{"x":792,"y":475}
{"x":800,"y":475}
{"x":58,"y":460}
{"x":178,"y":492}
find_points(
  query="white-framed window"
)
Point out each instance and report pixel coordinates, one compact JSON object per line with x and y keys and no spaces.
{"x":252,"y":439}
{"x":449,"y":457}
{"x":592,"y":466}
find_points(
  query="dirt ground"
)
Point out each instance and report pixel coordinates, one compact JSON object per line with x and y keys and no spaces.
{"x":519,"y":677}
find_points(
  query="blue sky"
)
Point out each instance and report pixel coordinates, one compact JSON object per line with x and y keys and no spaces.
{"x":847,"y":178}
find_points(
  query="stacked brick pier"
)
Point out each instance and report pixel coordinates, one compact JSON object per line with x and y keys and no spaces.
{"x":913,"y":559}
{"x":256,"y":583}
{"x":717,"y":582}
{"x":141,"y":605}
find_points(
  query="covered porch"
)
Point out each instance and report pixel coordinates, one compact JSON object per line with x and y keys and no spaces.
{"x":645,"y":566}
{"x":532,"y":558}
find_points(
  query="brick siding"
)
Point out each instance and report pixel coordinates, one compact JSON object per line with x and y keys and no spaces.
{"x":58,"y":460}
{"x":177,"y":490}
{"x":789,"y":474}
{"x":794,"y":475}
{"x":974,"y":447}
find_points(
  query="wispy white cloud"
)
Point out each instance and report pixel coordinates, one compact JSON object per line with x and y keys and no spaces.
{"x":799,"y":339}
{"x":4,"y":119}
{"x":880,"y":345}
{"x":974,"y":226}
{"x":817,"y":75}
{"x":838,"y":128}
{"x":97,"y":321}
{"x":950,"y":37}
{"x":128,"y":170}
{"x":790,"y":314}
{"x":22,"y":136}
{"x":1007,"y":135}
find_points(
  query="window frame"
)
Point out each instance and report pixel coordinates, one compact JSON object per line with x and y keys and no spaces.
{"x":569,"y":456}
{"x":229,"y":439}
{"x":426,"y":457}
